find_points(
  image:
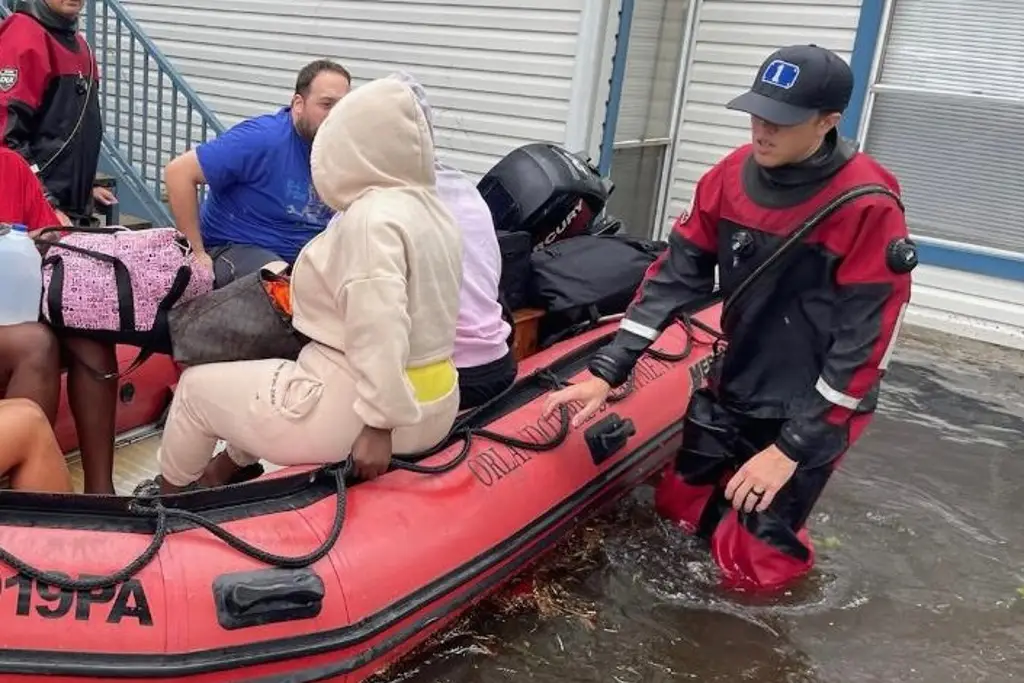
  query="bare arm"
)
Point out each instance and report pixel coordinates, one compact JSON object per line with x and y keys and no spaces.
{"x":184,"y":176}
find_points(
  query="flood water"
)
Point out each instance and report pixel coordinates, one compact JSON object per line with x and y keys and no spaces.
{"x":920,"y":574}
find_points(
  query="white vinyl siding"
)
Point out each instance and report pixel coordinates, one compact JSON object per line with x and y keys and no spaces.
{"x":498,"y":75}
{"x":947,"y":116}
{"x":643,"y":133}
{"x":732,"y":39}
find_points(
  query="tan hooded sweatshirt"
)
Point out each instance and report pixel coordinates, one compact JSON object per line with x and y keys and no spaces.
{"x":381,"y":284}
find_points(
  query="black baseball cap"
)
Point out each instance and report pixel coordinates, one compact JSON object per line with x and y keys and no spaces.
{"x":795,"y":83}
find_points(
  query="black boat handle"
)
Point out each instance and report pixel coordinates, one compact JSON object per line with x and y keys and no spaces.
{"x":267,"y":596}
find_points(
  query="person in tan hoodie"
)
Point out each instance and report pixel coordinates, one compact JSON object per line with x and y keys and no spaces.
{"x":377,"y":293}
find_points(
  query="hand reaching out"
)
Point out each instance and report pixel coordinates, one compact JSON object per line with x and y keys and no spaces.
{"x":103,"y":195}
{"x":592,"y":392}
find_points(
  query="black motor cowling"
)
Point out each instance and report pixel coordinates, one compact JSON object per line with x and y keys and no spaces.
{"x":546,"y":191}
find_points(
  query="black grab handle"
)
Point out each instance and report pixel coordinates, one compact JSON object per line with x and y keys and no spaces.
{"x":608,"y":436}
{"x":267,"y":596}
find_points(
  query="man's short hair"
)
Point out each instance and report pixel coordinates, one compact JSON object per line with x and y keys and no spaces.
{"x":314,"y":69}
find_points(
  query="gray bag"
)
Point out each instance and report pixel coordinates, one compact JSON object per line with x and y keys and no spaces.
{"x":236,"y":322}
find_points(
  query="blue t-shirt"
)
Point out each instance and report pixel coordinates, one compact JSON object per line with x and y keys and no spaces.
{"x":261,"y":189}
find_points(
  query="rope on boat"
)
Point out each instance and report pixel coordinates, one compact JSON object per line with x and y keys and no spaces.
{"x":550,"y":378}
{"x":152,"y":507}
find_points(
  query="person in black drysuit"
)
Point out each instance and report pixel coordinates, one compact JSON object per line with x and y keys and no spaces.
{"x":50,"y":104}
{"x":807,"y":345}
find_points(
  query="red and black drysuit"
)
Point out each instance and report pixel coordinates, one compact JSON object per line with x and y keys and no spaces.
{"x":805,"y":353}
{"x":49,"y":95}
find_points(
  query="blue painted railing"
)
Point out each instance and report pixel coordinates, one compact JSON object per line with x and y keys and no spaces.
{"x":151,"y":113}
{"x":611,"y":118}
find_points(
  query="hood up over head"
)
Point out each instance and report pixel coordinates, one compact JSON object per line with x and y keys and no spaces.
{"x":377,"y":137}
{"x":428,"y":112}
{"x":416,"y":87}
{"x":44,"y":14}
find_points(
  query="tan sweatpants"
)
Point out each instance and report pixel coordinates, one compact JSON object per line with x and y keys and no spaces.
{"x":288,"y":413}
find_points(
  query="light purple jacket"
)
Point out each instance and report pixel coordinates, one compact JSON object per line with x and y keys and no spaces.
{"x":481,"y":332}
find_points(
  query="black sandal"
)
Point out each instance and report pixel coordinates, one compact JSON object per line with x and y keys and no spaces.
{"x":150,"y":488}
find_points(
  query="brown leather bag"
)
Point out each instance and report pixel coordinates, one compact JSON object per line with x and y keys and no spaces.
{"x":247,"y":319}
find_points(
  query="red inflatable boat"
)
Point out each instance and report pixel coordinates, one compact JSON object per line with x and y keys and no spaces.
{"x":142,"y":398}
{"x":185,"y":588}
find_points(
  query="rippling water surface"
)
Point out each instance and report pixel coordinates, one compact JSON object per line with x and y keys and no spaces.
{"x":920,"y":574}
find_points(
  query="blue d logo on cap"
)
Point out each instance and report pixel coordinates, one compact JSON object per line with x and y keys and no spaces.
{"x":781,"y":74}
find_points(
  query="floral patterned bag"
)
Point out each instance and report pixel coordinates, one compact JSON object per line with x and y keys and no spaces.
{"x":118,"y":285}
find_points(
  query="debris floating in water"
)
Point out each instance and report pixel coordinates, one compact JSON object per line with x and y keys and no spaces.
{"x":544,"y":591}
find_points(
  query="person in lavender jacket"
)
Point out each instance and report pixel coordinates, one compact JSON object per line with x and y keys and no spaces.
{"x":486,"y":364}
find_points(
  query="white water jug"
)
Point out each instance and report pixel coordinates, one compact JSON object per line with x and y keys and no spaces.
{"x":21,"y":278}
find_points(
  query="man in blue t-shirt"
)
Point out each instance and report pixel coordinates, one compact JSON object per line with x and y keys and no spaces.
{"x":262,"y":206}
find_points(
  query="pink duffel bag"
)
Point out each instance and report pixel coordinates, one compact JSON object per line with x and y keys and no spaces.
{"x":117,"y":285}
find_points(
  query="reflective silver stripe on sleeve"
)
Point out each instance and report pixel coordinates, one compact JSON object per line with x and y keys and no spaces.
{"x":887,"y":357}
{"x":639,"y":330}
{"x":834,"y":397}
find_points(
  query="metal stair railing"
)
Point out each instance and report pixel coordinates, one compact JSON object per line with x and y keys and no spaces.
{"x":151,"y":113}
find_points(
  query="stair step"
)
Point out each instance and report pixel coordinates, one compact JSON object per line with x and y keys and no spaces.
{"x":104,"y":180}
{"x":127,"y":220}
{"x":135,"y":222}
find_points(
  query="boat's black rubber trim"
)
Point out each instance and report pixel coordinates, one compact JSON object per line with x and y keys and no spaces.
{"x":239,"y":501}
{"x":261,"y":496}
{"x":447,"y":609}
{"x":541,"y":534}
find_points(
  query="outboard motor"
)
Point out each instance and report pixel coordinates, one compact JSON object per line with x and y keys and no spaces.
{"x":544,"y":190}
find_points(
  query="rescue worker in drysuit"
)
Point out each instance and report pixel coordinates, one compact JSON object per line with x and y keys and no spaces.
{"x":50,"y":104}
{"x":806,"y":346}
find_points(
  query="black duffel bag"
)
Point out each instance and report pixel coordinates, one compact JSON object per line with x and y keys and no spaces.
{"x":581,"y":279}
{"x":514,"y":285}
